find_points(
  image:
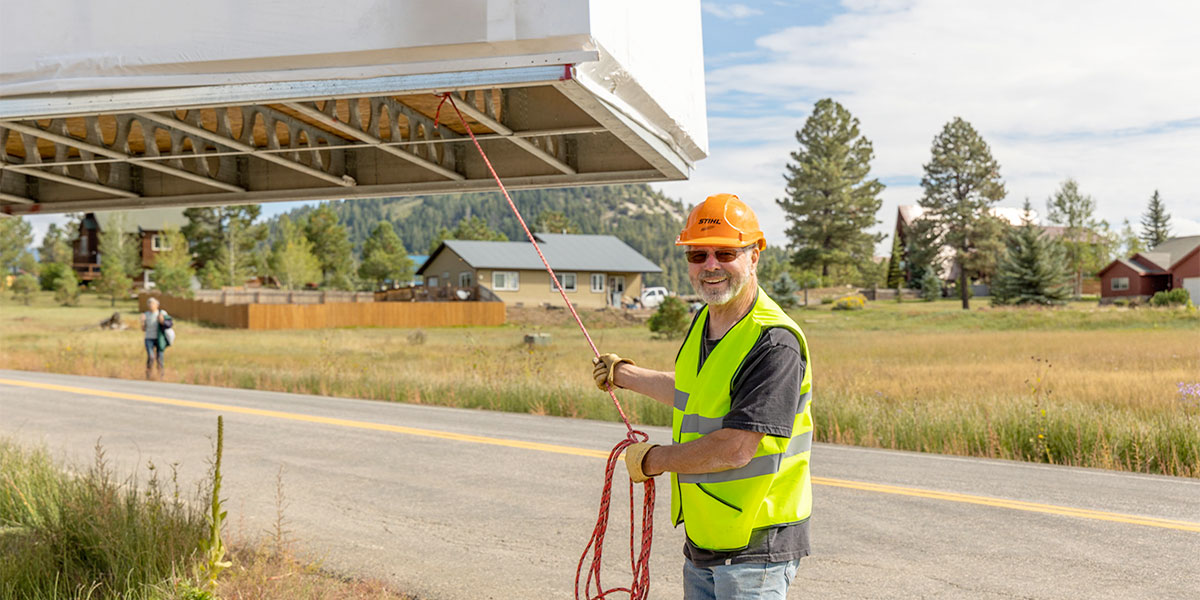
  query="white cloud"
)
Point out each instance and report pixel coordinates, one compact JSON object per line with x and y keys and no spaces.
{"x":730,"y":11}
{"x":1105,"y":92}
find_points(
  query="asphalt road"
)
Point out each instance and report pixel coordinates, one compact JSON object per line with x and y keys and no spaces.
{"x":463,"y":504}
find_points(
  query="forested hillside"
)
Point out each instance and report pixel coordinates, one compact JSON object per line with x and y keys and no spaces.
{"x":645,"y":219}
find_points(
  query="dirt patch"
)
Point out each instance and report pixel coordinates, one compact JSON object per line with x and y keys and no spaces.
{"x":593,"y":318}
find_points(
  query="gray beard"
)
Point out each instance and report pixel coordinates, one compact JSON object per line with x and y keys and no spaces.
{"x":717,"y":298}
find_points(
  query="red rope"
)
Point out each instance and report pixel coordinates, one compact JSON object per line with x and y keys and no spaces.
{"x":639,"y":561}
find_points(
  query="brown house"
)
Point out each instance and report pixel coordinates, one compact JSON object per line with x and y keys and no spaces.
{"x":1172,"y":264}
{"x":147,"y":225}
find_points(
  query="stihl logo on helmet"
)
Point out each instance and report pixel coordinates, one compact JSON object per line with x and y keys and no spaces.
{"x":721,"y":220}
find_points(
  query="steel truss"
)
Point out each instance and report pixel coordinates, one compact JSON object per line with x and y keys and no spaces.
{"x":304,"y":148}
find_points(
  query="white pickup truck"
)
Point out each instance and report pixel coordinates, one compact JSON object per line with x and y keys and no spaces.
{"x":653,"y":296}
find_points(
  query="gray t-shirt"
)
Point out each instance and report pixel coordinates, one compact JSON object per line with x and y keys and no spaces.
{"x":765,"y":399}
{"x":152,"y":324}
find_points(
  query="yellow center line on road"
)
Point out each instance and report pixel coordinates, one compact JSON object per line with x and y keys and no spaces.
{"x":1082,"y":513}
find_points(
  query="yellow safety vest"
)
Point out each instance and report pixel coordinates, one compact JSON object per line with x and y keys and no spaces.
{"x":774,"y":488}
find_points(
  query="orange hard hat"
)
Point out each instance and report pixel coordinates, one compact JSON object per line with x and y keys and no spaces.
{"x":722,"y":220}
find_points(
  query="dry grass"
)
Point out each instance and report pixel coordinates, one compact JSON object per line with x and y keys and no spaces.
{"x":1098,"y":385}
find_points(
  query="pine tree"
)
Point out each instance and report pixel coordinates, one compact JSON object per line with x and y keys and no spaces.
{"x":331,"y":245}
{"x":66,"y":288}
{"x":1156,"y":223}
{"x":23,"y":288}
{"x":173,"y":270}
{"x":223,"y":241}
{"x":384,"y":257}
{"x":469,"y":228}
{"x":831,"y":204}
{"x":961,"y":182}
{"x":1034,"y":271}
{"x":120,"y":259}
{"x":292,"y":260}
{"x":783,"y":290}
{"x":895,"y":277}
{"x":553,"y":221}
{"x":931,"y":284}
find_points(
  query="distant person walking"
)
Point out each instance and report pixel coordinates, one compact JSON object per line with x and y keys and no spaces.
{"x":155,"y":323}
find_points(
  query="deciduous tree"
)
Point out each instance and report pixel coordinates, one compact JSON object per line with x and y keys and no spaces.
{"x":120,"y":258}
{"x":1156,"y":223}
{"x":15,"y":236}
{"x":1084,"y":238}
{"x":831,"y":202}
{"x":56,"y":246}
{"x":961,"y":182}
{"x":292,"y":260}
{"x":1130,"y":242}
{"x":173,"y":270}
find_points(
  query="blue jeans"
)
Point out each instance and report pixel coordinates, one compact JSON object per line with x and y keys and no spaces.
{"x":746,"y":581}
{"x":153,"y":354}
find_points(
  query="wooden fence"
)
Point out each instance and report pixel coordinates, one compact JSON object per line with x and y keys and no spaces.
{"x":340,"y":314}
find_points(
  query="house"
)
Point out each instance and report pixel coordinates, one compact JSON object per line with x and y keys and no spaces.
{"x":147,"y":225}
{"x":1172,"y":264}
{"x":595,"y":270}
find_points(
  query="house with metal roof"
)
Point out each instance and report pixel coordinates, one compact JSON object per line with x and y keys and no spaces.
{"x":595,"y":270}
{"x":1172,"y":264}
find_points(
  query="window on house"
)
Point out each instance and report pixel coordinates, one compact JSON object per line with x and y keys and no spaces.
{"x":446,"y":277}
{"x":597,"y":282}
{"x":506,"y":281}
{"x":431,"y":281}
{"x":464,"y":279}
{"x":1120,"y":283}
{"x":567,"y":280}
{"x":159,"y":243}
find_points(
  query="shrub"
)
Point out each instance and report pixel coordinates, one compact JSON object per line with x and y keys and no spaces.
{"x":826,"y":300}
{"x":23,"y":288}
{"x":66,"y":288}
{"x":50,"y":273}
{"x":854,"y":302}
{"x":1177,"y":296}
{"x":671,"y":318}
{"x":1120,"y":302}
{"x":931,"y":286}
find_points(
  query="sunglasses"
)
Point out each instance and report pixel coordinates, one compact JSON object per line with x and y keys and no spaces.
{"x":724,"y":255}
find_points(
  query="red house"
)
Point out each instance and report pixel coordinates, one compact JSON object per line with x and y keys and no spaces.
{"x":1172,"y":264}
{"x":147,"y":225}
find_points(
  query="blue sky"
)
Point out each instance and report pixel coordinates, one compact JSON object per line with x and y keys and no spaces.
{"x":1105,"y":92}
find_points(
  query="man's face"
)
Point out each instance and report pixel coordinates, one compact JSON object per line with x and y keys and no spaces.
{"x":720,"y":282}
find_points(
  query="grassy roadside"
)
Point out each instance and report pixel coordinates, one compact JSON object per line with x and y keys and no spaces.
{"x":1084,"y":385}
{"x":92,"y":535}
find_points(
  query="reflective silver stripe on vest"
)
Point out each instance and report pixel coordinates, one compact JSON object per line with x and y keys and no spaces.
{"x":759,"y":465}
{"x":681,"y":398}
{"x":804,"y":400}
{"x":695,"y":423}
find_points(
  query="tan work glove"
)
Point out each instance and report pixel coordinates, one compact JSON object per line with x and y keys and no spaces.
{"x":605,"y":369}
{"x":634,"y":455}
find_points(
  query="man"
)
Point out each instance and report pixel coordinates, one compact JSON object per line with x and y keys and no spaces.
{"x":742,"y":428}
{"x":154,"y":324}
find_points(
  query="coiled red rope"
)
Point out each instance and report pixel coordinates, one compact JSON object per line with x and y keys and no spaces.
{"x":639,"y":560}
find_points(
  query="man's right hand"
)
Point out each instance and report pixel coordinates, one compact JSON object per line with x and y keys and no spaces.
{"x":605,"y":370}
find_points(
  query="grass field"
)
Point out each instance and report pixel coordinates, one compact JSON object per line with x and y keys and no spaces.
{"x":92,"y":534}
{"x":1083,"y":385}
